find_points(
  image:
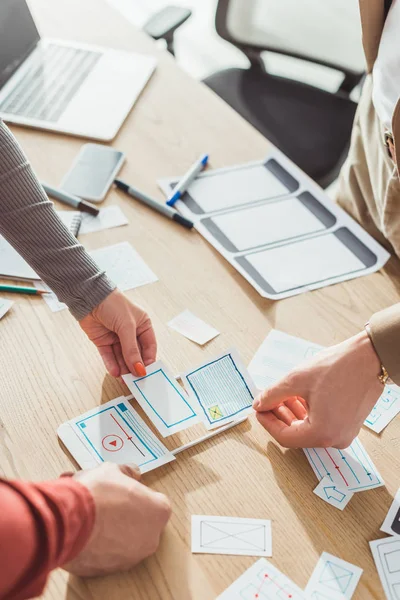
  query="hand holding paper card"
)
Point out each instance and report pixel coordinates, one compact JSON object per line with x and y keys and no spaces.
{"x":222,"y":387}
{"x":163,"y":400}
{"x":280,"y":353}
{"x":113,"y":432}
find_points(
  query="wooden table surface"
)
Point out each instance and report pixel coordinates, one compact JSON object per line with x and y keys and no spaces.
{"x":51,"y":373}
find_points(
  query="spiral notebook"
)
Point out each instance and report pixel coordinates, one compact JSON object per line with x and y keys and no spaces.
{"x":13,"y":266}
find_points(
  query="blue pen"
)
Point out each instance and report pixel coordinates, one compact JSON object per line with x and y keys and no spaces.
{"x":187,"y":179}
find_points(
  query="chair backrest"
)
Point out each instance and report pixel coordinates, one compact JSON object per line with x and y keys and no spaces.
{"x":327,"y":32}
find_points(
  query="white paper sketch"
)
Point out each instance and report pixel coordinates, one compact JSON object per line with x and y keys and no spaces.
{"x":333,"y":579}
{"x":278,"y":354}
{"x":222,"y":387}
{"x":163,"y":400}
{"x":385,"y":410}
{"x":386,"y":553}
{"x":124,"y":265}
{"x":114,"y":432}
{"x":351,"y":469}
{"x":263,"y":581}
{"x":338,"y":497}
{"x":231,"y":535}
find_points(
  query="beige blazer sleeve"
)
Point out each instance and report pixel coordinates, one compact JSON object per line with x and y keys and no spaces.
{"x":385,"y":334}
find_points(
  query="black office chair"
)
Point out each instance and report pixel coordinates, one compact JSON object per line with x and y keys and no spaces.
{"x":310,"y":125}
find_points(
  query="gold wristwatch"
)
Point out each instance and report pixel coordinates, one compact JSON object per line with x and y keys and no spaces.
{"x":383,"y":376}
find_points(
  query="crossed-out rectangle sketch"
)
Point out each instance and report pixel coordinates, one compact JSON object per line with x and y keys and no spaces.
{"x":231,"y":535}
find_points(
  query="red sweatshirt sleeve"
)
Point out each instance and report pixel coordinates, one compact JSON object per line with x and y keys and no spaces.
{"x":42,"y":526}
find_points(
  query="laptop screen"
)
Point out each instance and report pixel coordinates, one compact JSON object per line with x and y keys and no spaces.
{"x":18,"y":36}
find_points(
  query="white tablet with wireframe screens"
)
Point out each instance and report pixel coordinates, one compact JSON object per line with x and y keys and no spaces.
{"x":228,"y":188}
{"x":277,"y":227}
{"x":275,"y":221}
{"x":308,"y":263}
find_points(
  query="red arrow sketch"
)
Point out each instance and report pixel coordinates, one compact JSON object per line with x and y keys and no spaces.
{"x":336,"y":467}
{"x":129,"y":437}
{"x":264,"y":579}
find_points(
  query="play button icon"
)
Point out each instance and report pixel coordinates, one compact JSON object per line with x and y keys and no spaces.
{"x":112,"y":443}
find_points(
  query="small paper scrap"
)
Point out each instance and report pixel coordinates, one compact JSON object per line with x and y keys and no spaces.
{"x":333,"y":494}
{"x":193,"y":328}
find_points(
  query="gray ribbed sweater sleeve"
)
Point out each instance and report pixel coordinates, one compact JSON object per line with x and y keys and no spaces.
{"x":30,"y":224}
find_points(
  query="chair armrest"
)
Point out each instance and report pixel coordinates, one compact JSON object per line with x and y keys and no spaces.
{"x":165,"y":22}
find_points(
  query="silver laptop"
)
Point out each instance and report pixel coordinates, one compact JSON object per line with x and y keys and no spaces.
{"x":64,"y":86}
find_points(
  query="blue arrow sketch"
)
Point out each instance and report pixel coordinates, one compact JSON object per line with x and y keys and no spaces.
{"x":335,"y":494}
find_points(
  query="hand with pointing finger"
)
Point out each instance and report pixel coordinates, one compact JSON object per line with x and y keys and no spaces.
{"x":123,"y":334}
{"x":324,"y":401}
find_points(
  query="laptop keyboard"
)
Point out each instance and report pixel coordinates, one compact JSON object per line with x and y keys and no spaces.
{"x":54,"y":76}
